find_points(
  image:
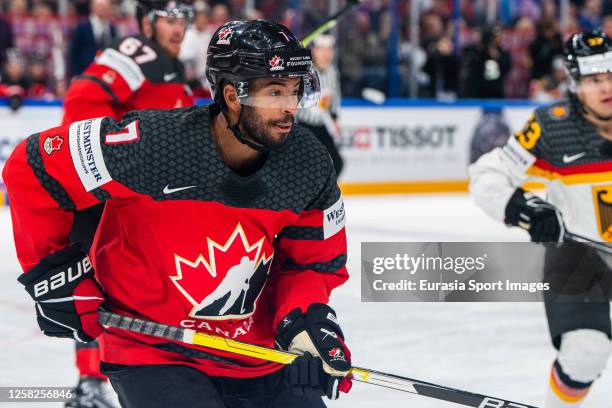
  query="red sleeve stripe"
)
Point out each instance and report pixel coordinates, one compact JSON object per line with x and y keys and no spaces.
{"x":578,"y":174}
{"x":574,"y":169}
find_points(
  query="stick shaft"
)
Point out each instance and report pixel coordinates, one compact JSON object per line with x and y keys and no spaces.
{"x":188,"y":336}
{"x":327,"y":25}
{"x":600,"y":246}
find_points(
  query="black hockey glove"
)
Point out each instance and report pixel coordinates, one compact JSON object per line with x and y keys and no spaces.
{"x":542,"y":219}
{"x":67,"y":295}
{"x":326,"y":361}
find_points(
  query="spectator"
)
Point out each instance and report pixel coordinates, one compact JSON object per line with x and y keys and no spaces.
{"x":546,"y":46}
{"x":411,"y":62}
{"x":42,"y":10}
{"x":13,"y":83}
{"x":486,"y":65}
{"x":432,"y":29}
{"x":572,"y":24}
{"x":314,"y":13}
{"x":363,"y":56}
{"x":441,"y":63}
{"x":219,"y":15}
{"x":18,"y":8}
{"x":352,"y":53}
{"x":91,"y":35}
{"x":38,"y":79}
{"x":441,"y":70}
{"x":606,"y":25}
{"x":193,"y":50}
{"x":553,"y":86}
{"x":590,"y":18}
{"x":237,"y":9}
{"x":516,"y":42}
{"x":6,"y":39}
{"x":548,"y":10}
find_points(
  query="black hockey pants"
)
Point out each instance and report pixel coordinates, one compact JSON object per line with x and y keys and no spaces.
{"x":165,"y":386}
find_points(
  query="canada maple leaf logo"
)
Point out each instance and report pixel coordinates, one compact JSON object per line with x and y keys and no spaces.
{"x":225,"y":35}
{"x":235,"y":268}
{"x":276,"y":63}
{"x":53,"y":143}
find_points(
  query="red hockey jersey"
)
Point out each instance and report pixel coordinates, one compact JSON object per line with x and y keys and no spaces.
{"x":134,"y":74}
{"x":184,"y":240}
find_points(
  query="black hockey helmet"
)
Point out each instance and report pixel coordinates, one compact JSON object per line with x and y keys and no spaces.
{"x":241,"y":51}
{"x":163,"y":8}
{"x":588,"y":53}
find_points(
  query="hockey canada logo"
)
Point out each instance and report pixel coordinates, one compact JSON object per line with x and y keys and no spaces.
{"x":602,"y":195}
{"x":52,"y":143}
{"x":240,"y":270}
{"x":336,"y":354}
{"x":225,"y":35}
{"x":109,"y":77}
{"x":276,"y":63}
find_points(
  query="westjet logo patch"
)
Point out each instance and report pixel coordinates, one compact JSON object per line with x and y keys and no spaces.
{"x":333,"y":219}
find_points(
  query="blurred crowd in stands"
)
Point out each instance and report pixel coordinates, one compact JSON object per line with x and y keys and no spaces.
{"x":44,"y":43}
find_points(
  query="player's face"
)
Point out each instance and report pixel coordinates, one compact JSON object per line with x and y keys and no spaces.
{"x":269,"y":121}
{"x":595,"y":92}
{"x":323,"y":56}
{"x":169,"y":33}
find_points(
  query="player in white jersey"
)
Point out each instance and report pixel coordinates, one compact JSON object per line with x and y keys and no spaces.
{"x":568,"y":146}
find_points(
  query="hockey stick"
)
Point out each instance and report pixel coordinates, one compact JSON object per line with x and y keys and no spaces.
{"x":188,"y":336}
{"x":329,"y":23}
{"x":600,"y":246}
{"x":571,"y":237}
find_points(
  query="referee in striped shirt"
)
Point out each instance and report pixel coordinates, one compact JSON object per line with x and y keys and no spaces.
{"x":322,"y":120}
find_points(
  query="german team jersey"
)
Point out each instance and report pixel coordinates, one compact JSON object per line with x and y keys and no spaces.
{"x":559,"y":147}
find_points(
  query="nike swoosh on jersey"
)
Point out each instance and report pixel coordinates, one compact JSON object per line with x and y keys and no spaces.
{"x":569,"y":159}
{"x":169,"y":77}
{"x":168,"y":190}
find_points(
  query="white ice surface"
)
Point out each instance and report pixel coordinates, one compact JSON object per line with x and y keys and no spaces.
{"x":500,"y":349}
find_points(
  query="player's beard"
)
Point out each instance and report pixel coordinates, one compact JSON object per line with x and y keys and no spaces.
{"x":260,"y":131}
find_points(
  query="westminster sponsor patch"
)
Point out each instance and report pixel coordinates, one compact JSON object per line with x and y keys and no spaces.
{"x":86,"y":152}
{"x":333,"y":219}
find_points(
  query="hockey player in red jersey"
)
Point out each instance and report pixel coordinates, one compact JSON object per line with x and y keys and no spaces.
{"x":138,"y":72}
{"x":225,"y":219}
{"x":566,"y":145}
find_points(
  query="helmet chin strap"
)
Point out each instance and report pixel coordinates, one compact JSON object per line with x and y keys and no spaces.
{"x":235,"y":128}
